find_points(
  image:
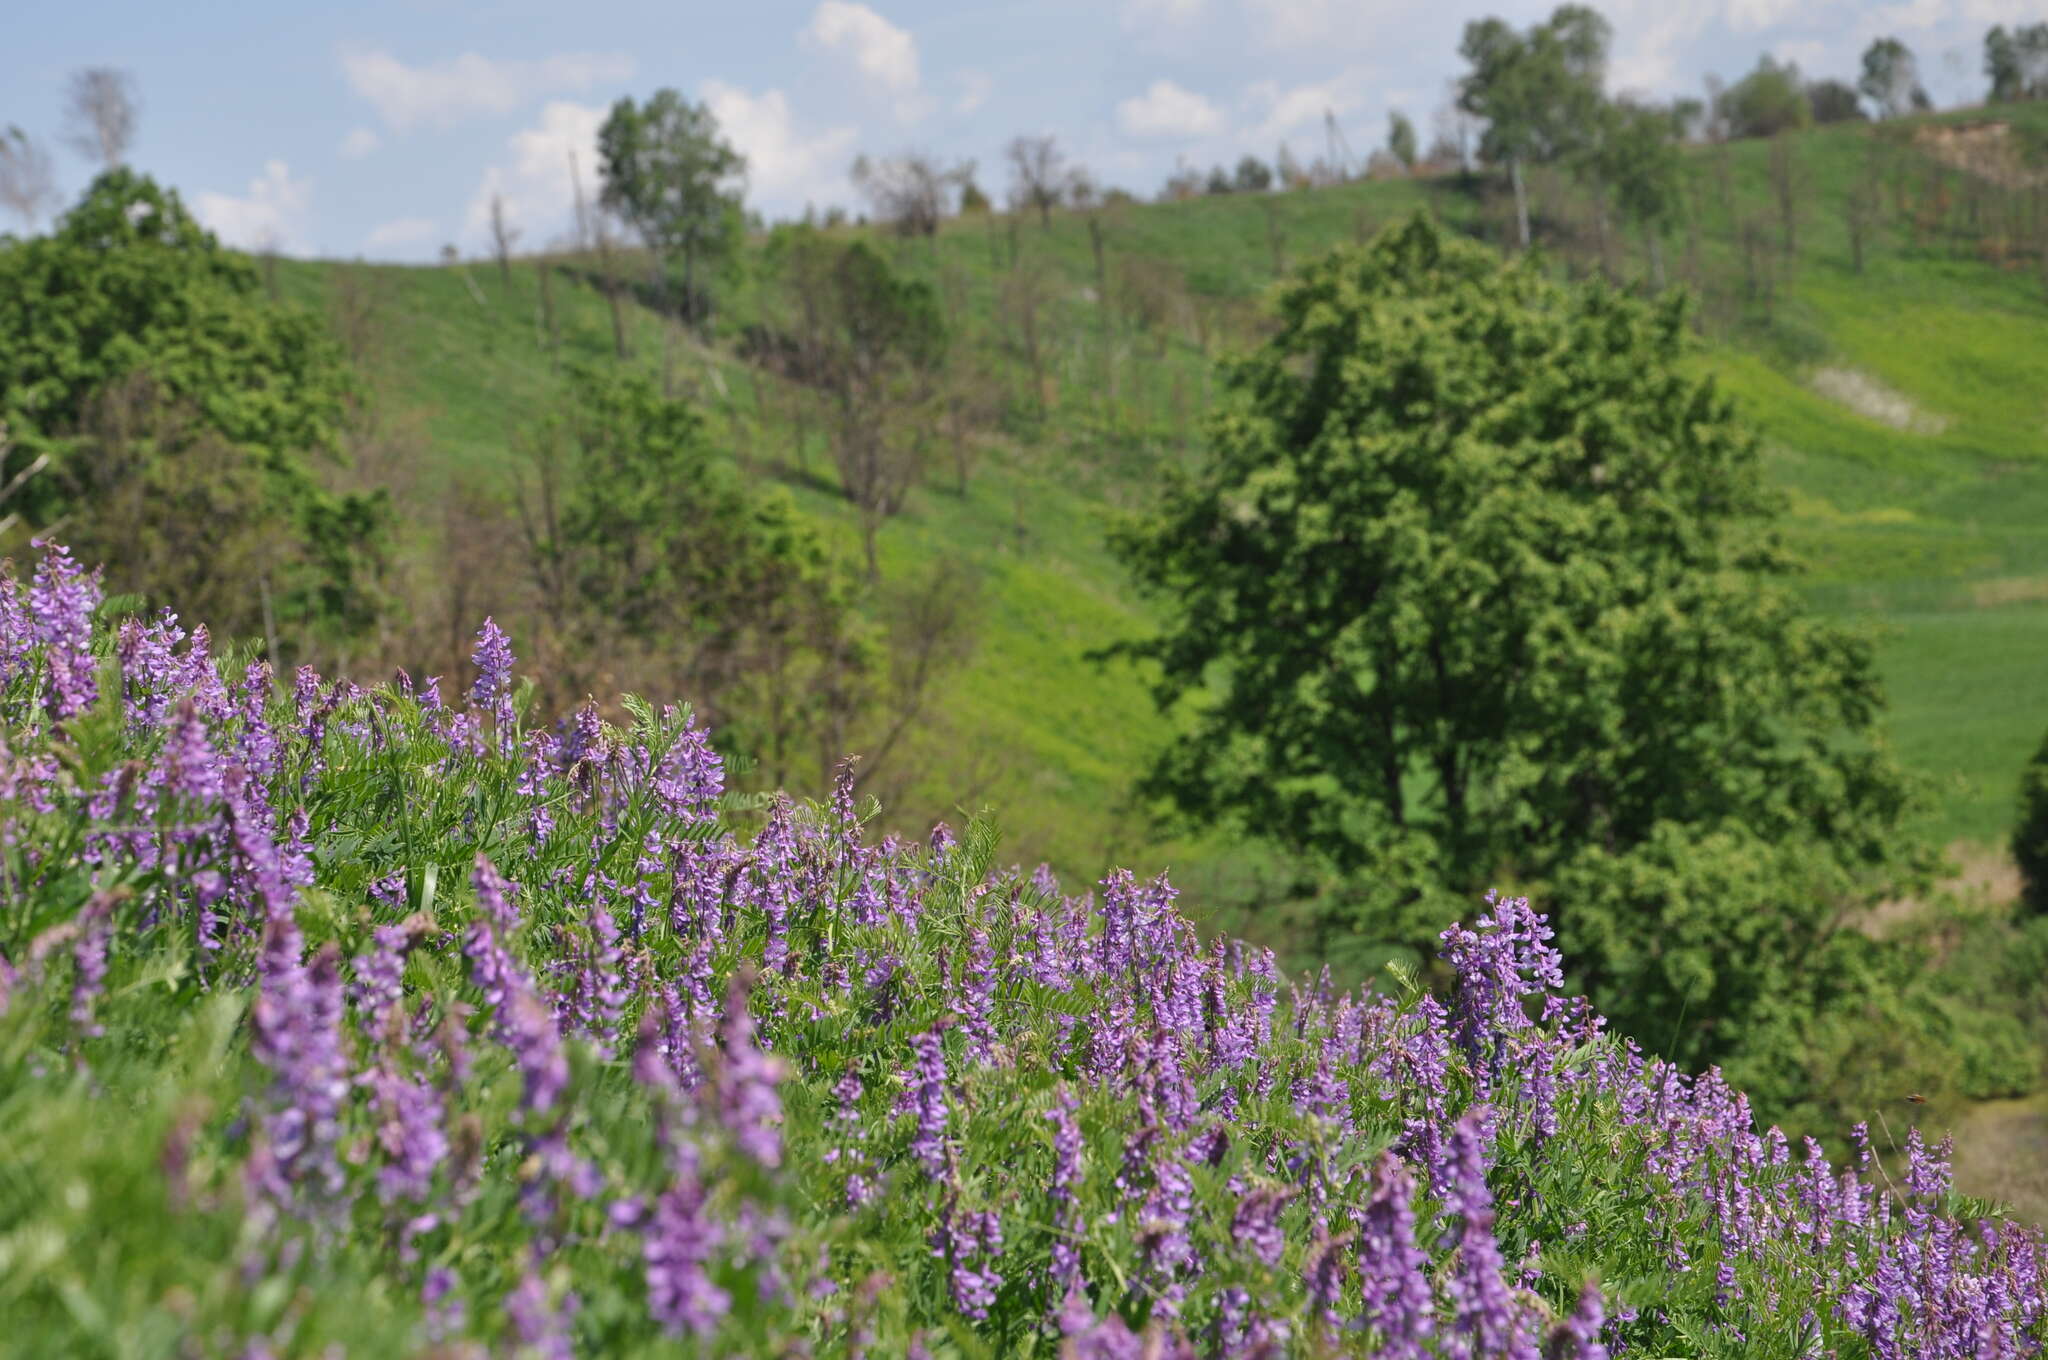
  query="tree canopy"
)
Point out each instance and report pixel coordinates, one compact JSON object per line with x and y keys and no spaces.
{"x":1480,"y":584}
{"x":1891,"y":79}
{"x":1539,"y":91}
{"x":1767,"y":101}
{"x":675,"y":180}
{"x":135,"y":352}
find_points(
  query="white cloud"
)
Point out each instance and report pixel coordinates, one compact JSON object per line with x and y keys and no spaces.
{"x":1751,"y":16}
{"x":272,"y":216}
{"x":405,"y":231}
{"x":1281,"y":111}
{"x":1304,"y":23}
{"x":405,"y":96}
{"x":784,"y":166}
{"x":359,"y":143}
{"x":885,"y":55}
{"x":975,"y":88}
{"x":1139,"y":15}
{"x":1167,"y":110}
{"x":536,"y":183}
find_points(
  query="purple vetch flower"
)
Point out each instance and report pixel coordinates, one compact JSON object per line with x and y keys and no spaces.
{"x":926,"y":1098}
{"x":89,"y":962}
{"x":295,"y":1025}
{"x":1577,"y":1337}
{"x":691,"y":779}
{"x":61,"y":600}
{"x":492,"y":691}
{"x":970,"y":1242}
{"x":380,"y":971}
{"x":977,"y":999}
{"x":258,"y":741}
{"x":445,"y":1313}
{"x":1256,"y":1224}
{"x":17,"y":629}
{"x":1393,"y":1273}
{"x":1487,"y":1323}
{"x":747,"y":1103}
{"x":539,"y":1325}
{"x":680,"y":1237}
{"x":409,"y":1117}
{"x":1063,"y":1191}
{"x":1507,"y":959}
{"x":846,"y":1152}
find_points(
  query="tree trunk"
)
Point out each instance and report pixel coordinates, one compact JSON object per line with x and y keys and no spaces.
{"x":1654,"y":242}
{"x":1521,"y":201}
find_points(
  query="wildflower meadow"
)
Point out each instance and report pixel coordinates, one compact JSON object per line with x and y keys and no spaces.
{"x":387,"y":1021}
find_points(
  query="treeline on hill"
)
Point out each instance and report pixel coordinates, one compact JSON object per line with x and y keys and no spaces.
{"x":219,"y":449}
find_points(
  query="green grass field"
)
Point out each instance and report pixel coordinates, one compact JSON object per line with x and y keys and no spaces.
{"x":1935,"y":534}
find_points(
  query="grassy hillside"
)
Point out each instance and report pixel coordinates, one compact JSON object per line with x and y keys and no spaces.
{"x":1904,"y":410}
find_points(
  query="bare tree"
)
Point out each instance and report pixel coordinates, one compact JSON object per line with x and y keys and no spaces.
{"x":503,"y":237}
{"x":99,"y":113}
{"x":910,"y":191}
{"x":26,"y":182}
{"x":1038,"y":175}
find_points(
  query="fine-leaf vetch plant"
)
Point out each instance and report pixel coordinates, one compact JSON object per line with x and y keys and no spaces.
{"x":389,"y":1021}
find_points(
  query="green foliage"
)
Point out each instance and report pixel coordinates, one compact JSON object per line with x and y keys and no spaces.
{"x":668,"y":172}
{"x":1638,"y":156}
{"x":1891,"y":79}
{"x":650,"y":547}
{"x":1401,"y":143}
{"x":2017,"y":63}
{"x":1480,"y":584}
{"x":1833,"y":101}
{"x":2030,"y":836}
{"x":1767,"y":101}
{"x":1538,"y":91}
{"x":186,"y":415}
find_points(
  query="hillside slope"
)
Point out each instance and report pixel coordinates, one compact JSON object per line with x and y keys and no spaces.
{"x":1904,"y":410}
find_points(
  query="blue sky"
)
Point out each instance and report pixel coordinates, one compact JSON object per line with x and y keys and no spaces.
{"x":381,"y":129}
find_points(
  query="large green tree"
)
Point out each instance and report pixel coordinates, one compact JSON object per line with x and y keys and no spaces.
{"x":1479,"y":586}
{"x":2017,"y":63}
{"x":1769,"y":100}
{"x":671,"y":175}
{"x":1891,"y":79}
{"x":1539,"y":90}
{"x":179,"y":420}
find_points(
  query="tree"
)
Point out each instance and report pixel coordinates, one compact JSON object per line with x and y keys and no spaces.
{"x":1038,"y":175}
{"x":909,"y":191}
{"x":876,"y":347}
{"x":1891,"y":79}
{"x":186,"y":418}
{"x":1833,"y":101}
{"x":2017,"y":63}
{"x":652,"y":557}
{"x":1218,"y":182}
{"x":1401,"y":139}
{"x":1480,"y":588}
{"x":670,"y":175}
{"x":100,"y":108}
{"x":26,"y":182}
{"x":503,"y":237}
{"x":1637,"y":158}
{"x":2030,"y":837}
{"x":1538,"y":91}
{"x":1766,"y":102}
{"x":1252,"y":176}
